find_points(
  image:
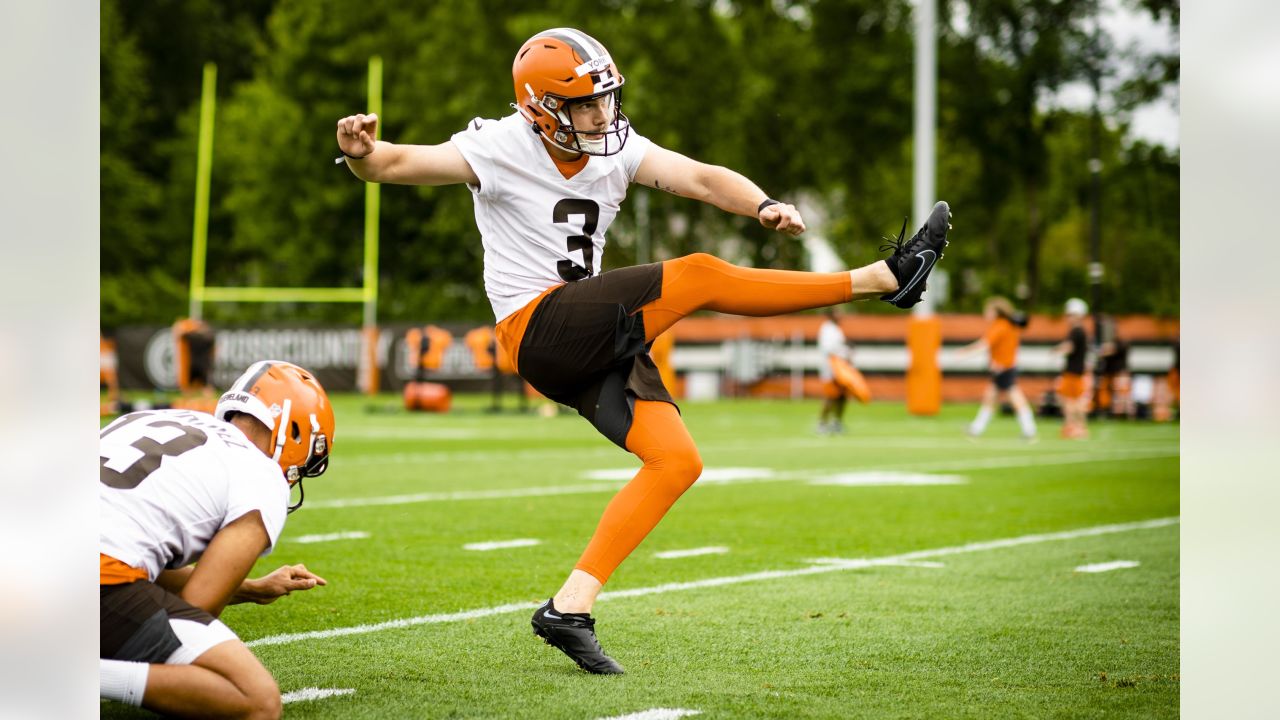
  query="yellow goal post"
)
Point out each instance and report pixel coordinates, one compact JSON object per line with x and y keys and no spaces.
{"x":367,"y":294}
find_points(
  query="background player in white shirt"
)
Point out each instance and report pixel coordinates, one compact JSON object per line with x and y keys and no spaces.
{"x":181,"y":487}
{"x":547,"y":181}
{"x":831,"y":344}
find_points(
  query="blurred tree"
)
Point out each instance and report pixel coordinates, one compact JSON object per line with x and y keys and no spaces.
{"x":810,"y":98}
{"x":131,"y":281}
{"x":1022,"y":51}
{"x":151,"y":59}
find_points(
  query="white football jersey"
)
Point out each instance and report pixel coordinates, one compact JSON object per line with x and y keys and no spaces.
{"x":170,"y":479}
{"x":539,"y":229}
{"x":830,"y":342}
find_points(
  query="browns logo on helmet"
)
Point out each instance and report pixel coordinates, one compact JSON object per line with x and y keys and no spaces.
{"x":558,"y":67}
{"x":293,"y":405}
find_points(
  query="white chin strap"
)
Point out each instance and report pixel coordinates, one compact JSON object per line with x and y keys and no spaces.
{"x":592,"y":146}
{"x":282,"y":428}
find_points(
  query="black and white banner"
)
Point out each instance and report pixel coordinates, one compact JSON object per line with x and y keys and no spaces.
{"x":146,"y":355}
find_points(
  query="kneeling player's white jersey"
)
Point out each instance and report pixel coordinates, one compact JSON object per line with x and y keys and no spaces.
{"x":539,"y":229}
{"x":171,"y":479}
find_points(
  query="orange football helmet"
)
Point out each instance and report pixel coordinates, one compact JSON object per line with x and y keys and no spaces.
{"x":558,"y":67}
{"x":292,"y":404}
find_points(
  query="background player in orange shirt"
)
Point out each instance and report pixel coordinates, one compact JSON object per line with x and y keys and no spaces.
{"x":1001,"y":341}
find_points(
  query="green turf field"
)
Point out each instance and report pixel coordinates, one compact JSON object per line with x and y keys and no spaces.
{"x":929,"y":615}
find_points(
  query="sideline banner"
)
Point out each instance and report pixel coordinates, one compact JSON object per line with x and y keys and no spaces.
{"x":146,"y":355}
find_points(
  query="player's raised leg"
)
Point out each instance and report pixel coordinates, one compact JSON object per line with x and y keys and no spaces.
{"x":704,"y":282}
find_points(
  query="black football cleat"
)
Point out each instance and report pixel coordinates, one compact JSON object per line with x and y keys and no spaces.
{"x":574,"y":634}
{"x":912,"y":261}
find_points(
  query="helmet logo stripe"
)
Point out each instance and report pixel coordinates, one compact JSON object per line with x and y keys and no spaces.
{"x":251,"y":375}
{"x":587,"y":48}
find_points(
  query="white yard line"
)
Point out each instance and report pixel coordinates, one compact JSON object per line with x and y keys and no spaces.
{"x":501,"y":544}
{"x":692,"y":552}
{"x":884,"y":478}
{"x":710,"y":474}
{"x":1034,"y":460}
{"x":409,"y":433}
{"x":392,"y":624}
{"x":656,"y":714}
{"x":860,"y":563}
{"x":839,"y":565}
{"x":709,"y":448}
{"x":1104,"y":567}
{"x":763,"y":475}
{"x":462,"y":495}
{"x":314,"y":694}
{"x":352,"y":535}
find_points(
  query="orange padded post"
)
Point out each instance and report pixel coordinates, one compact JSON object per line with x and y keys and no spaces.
{"x":367,"y":373}
{"x":924,"y":376}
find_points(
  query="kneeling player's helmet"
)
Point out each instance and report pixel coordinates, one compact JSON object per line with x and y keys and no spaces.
{"x":558,"y":67}
{"x":292,"y":404}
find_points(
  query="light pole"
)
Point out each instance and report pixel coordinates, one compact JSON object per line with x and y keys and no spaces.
{"x":924,"y":329}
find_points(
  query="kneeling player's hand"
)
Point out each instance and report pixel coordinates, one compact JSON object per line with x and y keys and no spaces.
{"x":286,"y":579}
{"x":783,"y":218}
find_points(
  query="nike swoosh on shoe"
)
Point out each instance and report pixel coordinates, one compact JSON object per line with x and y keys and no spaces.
{"x":925,"y":265}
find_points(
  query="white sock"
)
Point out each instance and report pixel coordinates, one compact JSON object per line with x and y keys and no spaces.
{"x":122,"y":680}
{"x":1028,"y":422}
{"x":980,"y":423}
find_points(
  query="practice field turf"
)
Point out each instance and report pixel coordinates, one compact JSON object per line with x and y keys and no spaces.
{"x":898,"y":571}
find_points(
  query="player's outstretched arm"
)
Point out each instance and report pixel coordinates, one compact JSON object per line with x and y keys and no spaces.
{"x":276,"y":584}
{"x":728,"y":190}
{"x":264,"y":590}
{"x":226,"y":563}
{"x":383,"y":162}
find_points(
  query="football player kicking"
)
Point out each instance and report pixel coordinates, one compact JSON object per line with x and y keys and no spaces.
{"x":181,"y":487}
{"x":547,"y":180}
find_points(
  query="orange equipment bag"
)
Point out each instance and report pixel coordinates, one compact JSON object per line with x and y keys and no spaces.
{"x":427,"y":397}
{"x":848,"y":378}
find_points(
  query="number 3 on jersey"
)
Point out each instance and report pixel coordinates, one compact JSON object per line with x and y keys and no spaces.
{"x":590,"y":212}
{"x":155,"y":440}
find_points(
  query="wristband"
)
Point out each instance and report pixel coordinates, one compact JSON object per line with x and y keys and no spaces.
{"x":767,"y":202}
{"x":339,"y":160}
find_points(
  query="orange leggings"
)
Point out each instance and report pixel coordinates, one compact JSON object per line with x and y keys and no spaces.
{"x":705,"y":282}
{"x":658,"y":435}
{"x":671,"y":465}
